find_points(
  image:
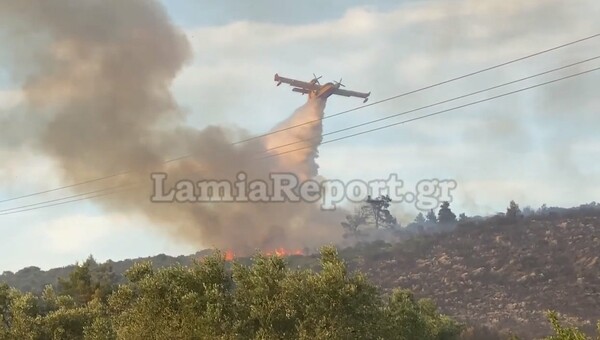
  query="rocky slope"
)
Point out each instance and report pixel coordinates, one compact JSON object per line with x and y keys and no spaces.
{"x":506,"y":276}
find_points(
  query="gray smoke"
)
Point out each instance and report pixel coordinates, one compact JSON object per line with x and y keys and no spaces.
{"x":96,"y":77}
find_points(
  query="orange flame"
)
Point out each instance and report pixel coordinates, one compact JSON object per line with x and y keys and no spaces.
{"x":281,"y":252}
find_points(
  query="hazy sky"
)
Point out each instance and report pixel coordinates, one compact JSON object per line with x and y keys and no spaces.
{"x":539,"y":146}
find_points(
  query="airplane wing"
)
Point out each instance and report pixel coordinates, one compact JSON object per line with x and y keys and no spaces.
{"x":303,"y":91}
{"x":347,"y":93}
{"x":296,"y":83}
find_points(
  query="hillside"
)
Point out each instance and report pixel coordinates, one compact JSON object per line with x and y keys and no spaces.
{"x":504,"y":276}
{"x":485,"y":272}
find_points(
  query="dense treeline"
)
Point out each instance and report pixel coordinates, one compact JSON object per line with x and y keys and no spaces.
{"x":214,"y":299}
{"x":265,"y":300}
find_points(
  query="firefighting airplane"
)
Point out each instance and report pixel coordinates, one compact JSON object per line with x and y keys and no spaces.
{"x":316,"y":90}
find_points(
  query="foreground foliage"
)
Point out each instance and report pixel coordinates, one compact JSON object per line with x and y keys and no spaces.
{"x":213,"y":300}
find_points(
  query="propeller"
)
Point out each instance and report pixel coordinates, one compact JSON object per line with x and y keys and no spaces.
{"x":316,"y":79}
{"x":339,"y":83}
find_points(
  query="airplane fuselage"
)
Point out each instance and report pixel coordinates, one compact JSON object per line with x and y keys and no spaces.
{"x":324,"y":92}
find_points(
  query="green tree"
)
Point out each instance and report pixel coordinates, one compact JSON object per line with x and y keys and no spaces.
{"x":354,"y":221}
{"x":403,"y":318}
{"x":420,"y":219}
{"x":380,"y":212}
{"x":445,"y":215}
{"x":21,"y":319}
{"x":408,"y":318}
{"x":431,"y":218}
{"x":5,"y":310}
{"x":565,"y":333}
{"x":334,"y":303}
{"x":374,"y":212}
{"x":513,"y":212}
{"x":88,"y":281}
{"x":190,"y":302}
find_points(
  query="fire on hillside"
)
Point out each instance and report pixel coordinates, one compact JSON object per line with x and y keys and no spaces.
{"x":280,"y":252}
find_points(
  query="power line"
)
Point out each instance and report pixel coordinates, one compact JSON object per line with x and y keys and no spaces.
{"x":60,"y":203}
{"x":423,"y":88}
{"x":316,"y":120}
{"x":435,"y":113}
{"x":19,"y":209}
{"x":65,"y":186}
{"x":64,"y":198}
{"x":434,"y":104}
